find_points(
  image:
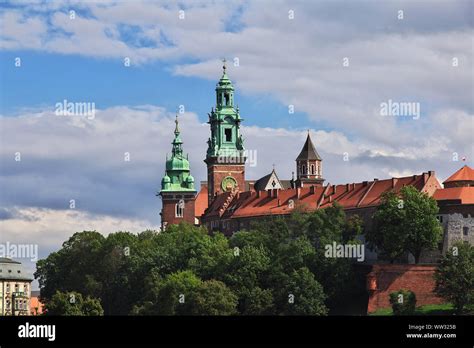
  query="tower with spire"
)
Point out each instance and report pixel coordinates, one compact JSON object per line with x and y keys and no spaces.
{"x":309,"y":170}
{"x":225,"y":156}
{"x":177,"y":186}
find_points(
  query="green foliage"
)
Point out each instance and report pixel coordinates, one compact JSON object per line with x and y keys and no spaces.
{"x":301,"y":294}
{"x":72,"y":303}
{"x":403,"y":302}
{"x":186,"y":271}
{"x":455,"y":276}
{"x":405,"y":224}
{"x":213,"y":297}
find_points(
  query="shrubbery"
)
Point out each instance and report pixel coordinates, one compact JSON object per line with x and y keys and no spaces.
{"x":403,"y":302}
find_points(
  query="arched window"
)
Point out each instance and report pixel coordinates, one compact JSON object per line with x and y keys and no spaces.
{"x":179,"y":209}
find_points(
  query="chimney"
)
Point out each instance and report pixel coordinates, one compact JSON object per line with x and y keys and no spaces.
{"x":376,"y":179}
{"x":258,"y":193}
{"x":431,"y":173}
{"x":279,"y":203}
{"x":275,"y":193}
{"x":425,"y":177}
{"x":364,"y":183}
{"x":312,"y":190}
{"x":330,"y":198}
{"x":394,"y":182}
{"x":348,"y":187}
{"x":333,"y":189}
{"x":298,"y":192}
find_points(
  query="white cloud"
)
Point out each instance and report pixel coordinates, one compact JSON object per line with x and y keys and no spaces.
{"x":295,"y":61}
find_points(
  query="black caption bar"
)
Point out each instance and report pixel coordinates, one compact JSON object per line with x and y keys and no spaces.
{"x":417,"y":330}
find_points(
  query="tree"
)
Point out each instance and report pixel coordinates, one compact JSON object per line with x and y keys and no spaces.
{"x":175,"y":294}
{"x":405,"y":223}
{"x":301,"y":294}
{"x":213,"y":297}
{"x":74,"y":267}
{"x":326,"y":226}
{"x":72,"y":303}
{"x":455,"y":276}
{"x":257,"y":301}
{"x":247,"y":271}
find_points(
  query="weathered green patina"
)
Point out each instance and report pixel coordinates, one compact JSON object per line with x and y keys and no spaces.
{"x":177,"y":176}
{"x":225,"y":140}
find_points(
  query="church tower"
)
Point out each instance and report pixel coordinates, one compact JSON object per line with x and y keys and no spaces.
{"x":225,"y":156}
{"x":309,"y":166}
{"x":177,"y":186}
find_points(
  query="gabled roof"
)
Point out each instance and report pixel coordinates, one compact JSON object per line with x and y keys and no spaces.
{"x":349,"y":196}
{"x":464,"y":174}
{"x":264,"y":183}
{"x":308,"y":152}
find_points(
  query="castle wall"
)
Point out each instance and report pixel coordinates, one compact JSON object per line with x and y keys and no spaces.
{"x":385,"y":279}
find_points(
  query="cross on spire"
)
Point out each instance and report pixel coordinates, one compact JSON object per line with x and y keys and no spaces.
{"x":224,"y":67}
{"x":176,"y":130}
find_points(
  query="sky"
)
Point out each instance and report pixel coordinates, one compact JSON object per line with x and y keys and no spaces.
{"x":333,"y":62}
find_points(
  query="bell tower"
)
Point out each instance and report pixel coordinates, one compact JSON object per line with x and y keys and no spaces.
{"x":177,"y":186}
{"x":225,"y":156}
{"x":309,"y":170}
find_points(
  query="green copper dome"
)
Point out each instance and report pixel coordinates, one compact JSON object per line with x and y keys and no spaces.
{"x":177,"y":176}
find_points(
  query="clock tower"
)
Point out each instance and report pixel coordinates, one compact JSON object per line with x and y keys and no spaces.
{"x":225,"y":156}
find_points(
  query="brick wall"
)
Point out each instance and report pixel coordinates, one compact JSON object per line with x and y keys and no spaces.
{"x":168,"y":212}
{"x":384,"y":279}
{"x":217,"y":172}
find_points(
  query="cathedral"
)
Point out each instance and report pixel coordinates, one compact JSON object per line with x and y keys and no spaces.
{"x":228,"y":202}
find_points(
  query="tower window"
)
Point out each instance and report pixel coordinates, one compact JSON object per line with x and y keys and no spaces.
{"x":303,"y":169}
{"x":179,"y":209}
{"x":227,"y":99}
{"x":312,"y":169}
{"x":465,"y":230}
{"x":228,"y":134}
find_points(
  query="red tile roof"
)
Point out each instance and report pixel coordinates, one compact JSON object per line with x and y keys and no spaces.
{"x":465,"y":195}
{"x":466,"y":173}
{"x":349,"y":196}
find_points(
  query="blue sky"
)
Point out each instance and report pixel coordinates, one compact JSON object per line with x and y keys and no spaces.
{"x":45,"y":77}
{"x":177,"y":61}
